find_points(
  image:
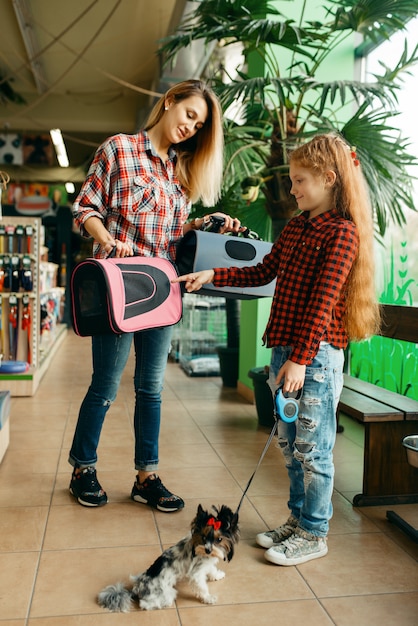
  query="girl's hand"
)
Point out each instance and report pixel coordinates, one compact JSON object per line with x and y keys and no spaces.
{"x":293,"y":375}
{"x":195,"y":280}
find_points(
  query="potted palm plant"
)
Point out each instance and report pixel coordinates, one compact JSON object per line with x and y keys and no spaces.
{"x":289,"y":99}
{"x":289,"y":89}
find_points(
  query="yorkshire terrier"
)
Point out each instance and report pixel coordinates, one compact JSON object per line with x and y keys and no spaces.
{"x":212,"y":537}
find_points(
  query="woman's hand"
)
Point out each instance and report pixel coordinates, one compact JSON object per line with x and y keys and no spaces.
{"x":118,"y":249}
{"x":95,"y":227}
{"x":195,"y":280}
{"x":231,"y":224}
{"x":293,"y":375}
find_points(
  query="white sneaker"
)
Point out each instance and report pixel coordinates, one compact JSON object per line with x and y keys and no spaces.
{"x":279,"y":534}
{"x":299,"y":548}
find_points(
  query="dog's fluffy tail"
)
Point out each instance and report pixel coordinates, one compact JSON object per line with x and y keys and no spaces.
{"x":117,"y":598}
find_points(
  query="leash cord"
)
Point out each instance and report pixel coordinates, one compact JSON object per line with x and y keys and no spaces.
{"x":269,"y":440}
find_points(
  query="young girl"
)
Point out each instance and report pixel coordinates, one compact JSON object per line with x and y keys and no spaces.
{"x":324,"y":297}
{"x":136,"y":199}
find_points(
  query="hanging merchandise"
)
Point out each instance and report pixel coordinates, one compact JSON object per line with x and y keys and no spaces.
{"x":10,"y":231}
{"x":26,"y":275}
{"x":29,"y":235}
{"x":2,"y":274}
{"x":19,"y":232}
{"x":13,"y":326}
{"x":15,"y":273}
{"x":2,"y":235}
{"x":27,"y":322}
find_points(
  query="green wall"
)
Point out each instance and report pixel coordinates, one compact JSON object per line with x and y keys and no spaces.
{"x":254,"y":313}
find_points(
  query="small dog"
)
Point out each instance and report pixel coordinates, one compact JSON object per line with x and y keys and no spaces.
{"x":212,"y":537}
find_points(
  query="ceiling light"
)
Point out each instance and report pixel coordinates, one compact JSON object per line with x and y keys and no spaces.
{"x":59,"y":146}
{"x":70,"y":187}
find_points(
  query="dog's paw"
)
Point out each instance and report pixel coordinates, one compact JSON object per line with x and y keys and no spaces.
{"x":209,"y":599}
{"x":218,"y":575}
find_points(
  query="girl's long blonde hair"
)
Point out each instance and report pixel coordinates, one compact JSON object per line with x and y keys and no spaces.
{"x":199,"y":159}
{"x":351,"y":199}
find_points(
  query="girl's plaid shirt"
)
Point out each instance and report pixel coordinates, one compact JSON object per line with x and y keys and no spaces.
{"x":311,"y":260}
{"x":138,"y":197}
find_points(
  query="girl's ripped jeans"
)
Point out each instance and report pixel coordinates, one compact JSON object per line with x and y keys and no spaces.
{"x":308,"y":442}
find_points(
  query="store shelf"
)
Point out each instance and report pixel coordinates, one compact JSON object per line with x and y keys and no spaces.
{"x":30,"y":314}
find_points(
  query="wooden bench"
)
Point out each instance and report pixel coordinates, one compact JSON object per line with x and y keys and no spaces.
{"x":388,"y":417}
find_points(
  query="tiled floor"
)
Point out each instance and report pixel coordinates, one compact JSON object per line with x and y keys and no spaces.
{"x":56,"y":555}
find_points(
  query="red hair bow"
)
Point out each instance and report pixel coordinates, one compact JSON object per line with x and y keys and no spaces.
{"x":213,"y":522}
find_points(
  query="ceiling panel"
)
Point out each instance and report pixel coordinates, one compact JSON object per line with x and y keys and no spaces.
{"x":89,"y":68}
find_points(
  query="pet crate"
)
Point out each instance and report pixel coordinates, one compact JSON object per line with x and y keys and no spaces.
{"x":200,"y":332}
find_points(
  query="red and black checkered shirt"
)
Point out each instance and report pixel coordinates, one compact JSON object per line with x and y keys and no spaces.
{"x":138,"y":197}
{"x":311,"y":259}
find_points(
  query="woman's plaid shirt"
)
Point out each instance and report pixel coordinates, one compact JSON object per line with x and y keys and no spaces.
{"x":138,"y":197}
{"x":311,"y":260}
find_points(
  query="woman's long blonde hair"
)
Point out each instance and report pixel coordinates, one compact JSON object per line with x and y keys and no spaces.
{"x":351,"y":199}
{"x":199,"y":159}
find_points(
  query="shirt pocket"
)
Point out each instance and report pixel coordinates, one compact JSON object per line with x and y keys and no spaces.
{"x":145,"y":193}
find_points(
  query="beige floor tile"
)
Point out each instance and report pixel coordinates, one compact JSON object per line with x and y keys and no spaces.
{"x":408,"y":512}
{"x":397,"y":609}
{"x":270,"y":479}
{"x":347,"y":519}
{"x":78,"y":575}
{"x":22,"y":528}
{"x":212,"y":483}
{"x":361,"y":564}
{"x":116,"y":524}
{"x":287,"y":612}
{"x":26,"y":490}
{"x":17,"y":576}
{"x":249,"y":453}
{"x":146,"y":618}
{"x":38,"y":459}
{"x":25,"y":438}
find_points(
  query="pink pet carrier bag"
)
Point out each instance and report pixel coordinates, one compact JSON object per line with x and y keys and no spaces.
{"x":124,"y":295}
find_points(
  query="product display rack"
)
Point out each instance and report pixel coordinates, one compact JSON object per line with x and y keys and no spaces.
{"x":20,"y":314}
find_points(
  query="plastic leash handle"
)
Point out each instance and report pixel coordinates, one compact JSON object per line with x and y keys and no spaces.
{"x":287,"y":406}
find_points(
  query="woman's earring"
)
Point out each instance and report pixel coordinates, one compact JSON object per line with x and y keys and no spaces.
{"x":165,"y":108}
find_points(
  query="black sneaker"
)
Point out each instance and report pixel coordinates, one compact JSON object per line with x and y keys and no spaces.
{"x":86,"y":488}
{"x":153,"y":493}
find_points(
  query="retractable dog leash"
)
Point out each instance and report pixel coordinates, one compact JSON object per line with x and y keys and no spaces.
{"x":286,"y":408}
{"x":266,"y":447}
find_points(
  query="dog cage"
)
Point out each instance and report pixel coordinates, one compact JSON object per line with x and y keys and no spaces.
{"x":198,"y":335}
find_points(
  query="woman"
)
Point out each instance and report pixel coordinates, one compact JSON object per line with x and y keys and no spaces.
{"x":135,"y":201}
